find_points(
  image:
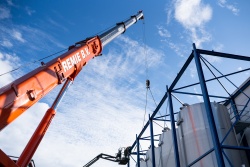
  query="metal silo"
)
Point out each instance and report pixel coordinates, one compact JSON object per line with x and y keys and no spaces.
{"x":164,"y":153}
{"x":195,"y":137}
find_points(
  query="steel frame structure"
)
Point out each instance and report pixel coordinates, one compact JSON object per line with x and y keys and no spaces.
{"x":218,"y":146}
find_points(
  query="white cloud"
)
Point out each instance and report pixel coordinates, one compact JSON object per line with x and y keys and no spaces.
{"x":193,"y":15}
{"x":101,"y":112}
{"x":218,"y":47}
{"x":29,"y":11}
{"x":23,"y":127}
{"x":4,"y":13}
{"x":193,"y":72}
{"x":7,"y":63}
{"x":199,"y":36}
{"x":239,"y":68}
{"x":232,"y":8}
{"x":36,"y":38}
{"x":57,"y":25}
{"x":169,"y":15}
{"x":6,"y":43}
{"x":17,"y":35}
{"x":178,"y":48}
{"x":140,"y":54}
{"x":74,"y":137}
{"x":163,"y":32}
{"x":200,"y":98}
{"x":10,"y":3}
{"x":213,"y":59}
{"x":11,"y":33}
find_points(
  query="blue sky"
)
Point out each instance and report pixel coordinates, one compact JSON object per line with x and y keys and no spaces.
{"x":104,"y":108}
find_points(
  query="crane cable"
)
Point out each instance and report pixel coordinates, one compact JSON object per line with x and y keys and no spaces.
{"x":147,"y":76}
{"x":146,"y":70}
{"x":33,"y":62}
{"x":39,"y":60}
{"x":146,"y":102}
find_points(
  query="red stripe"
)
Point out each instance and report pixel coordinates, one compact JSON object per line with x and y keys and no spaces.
{"x":195,"y":134}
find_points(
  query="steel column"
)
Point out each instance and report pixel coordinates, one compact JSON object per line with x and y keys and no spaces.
{"x":173,"y":129}
{"x":152,"y":140}
{"x":138,"y":151}
{"x":215,"y":138}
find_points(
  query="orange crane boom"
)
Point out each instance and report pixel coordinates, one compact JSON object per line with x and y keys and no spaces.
{"x":18,"y":96}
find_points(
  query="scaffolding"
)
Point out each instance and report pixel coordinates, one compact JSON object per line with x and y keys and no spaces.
{"x":236,"y":112}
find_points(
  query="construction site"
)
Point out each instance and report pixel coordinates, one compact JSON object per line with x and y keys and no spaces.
{"x":212,"y":130}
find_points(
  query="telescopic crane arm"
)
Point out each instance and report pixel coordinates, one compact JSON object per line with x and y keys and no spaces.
{"x":122,"y":157}
{"x":18,"y":96}
{"x":103,"y":156}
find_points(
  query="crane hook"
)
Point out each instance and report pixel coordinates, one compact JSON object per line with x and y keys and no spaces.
{"x":147,"y":84}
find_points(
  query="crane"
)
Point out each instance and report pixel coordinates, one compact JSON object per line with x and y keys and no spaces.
{"x":103,"y":156}
{"x":122,"y":157}
{"x":19,"y":95}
